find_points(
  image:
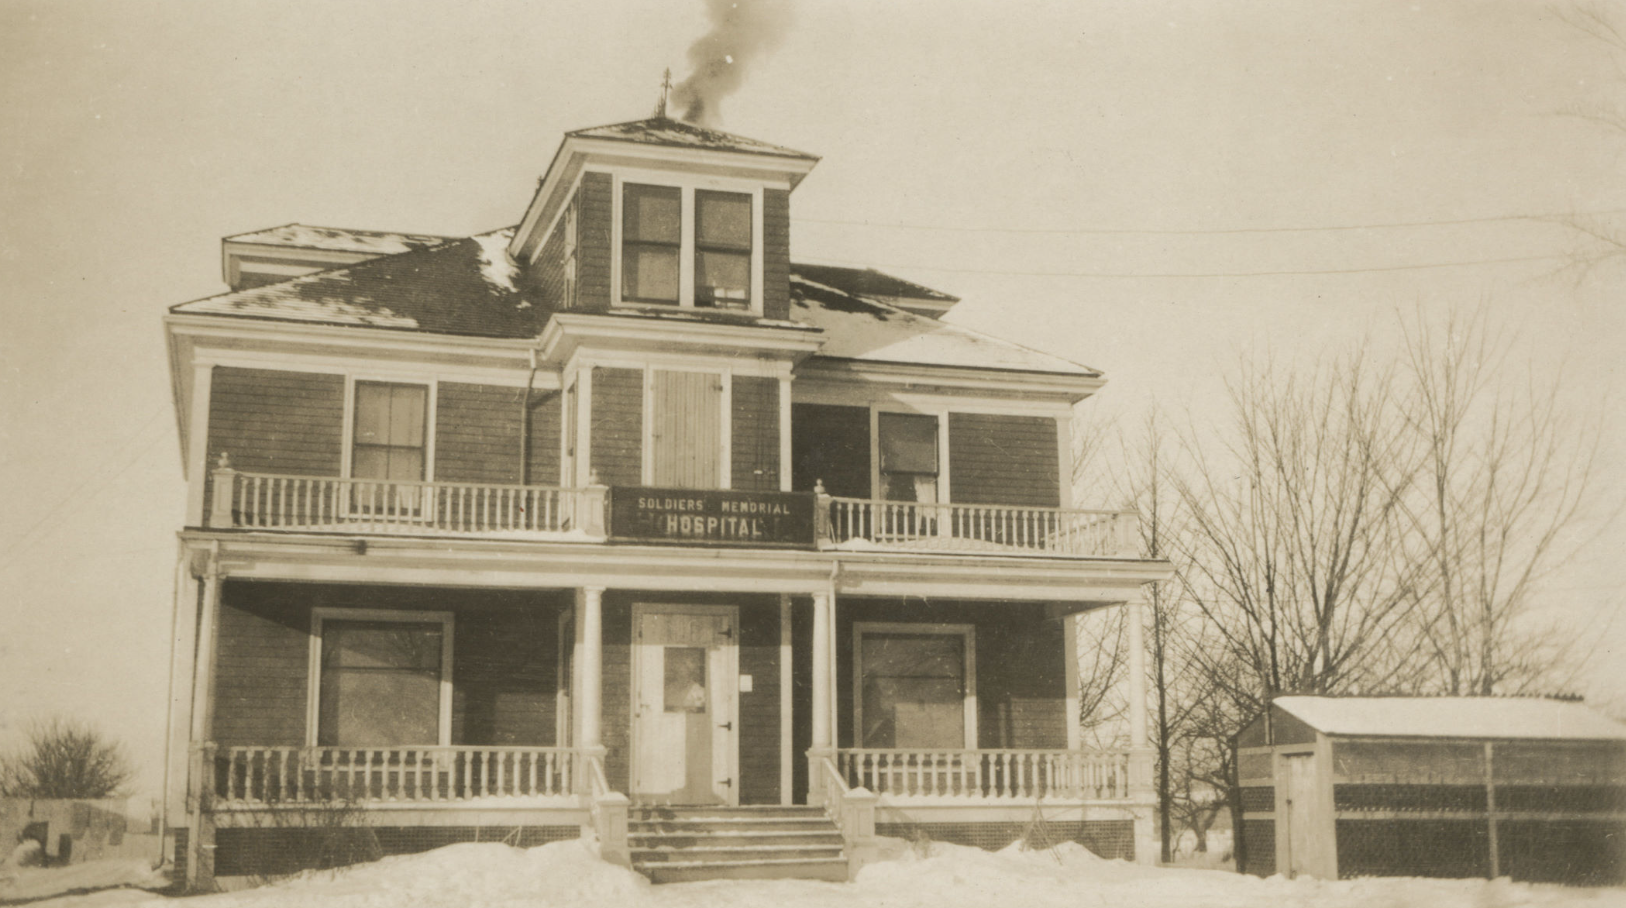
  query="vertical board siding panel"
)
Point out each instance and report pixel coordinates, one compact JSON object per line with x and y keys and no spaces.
{"x":477,"y":432}
{"x":274,"y":421}
{"x":830,"y":443}
{"x":593,"y":243}
{"x":618,"y":425}
{"x":1010,"y":460}
{"x":755,"y":434}
{"x":687,"y":429}
{"x":776,"y":253}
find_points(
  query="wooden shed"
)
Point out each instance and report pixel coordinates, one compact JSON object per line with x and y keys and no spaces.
{"x":1338,"y":787}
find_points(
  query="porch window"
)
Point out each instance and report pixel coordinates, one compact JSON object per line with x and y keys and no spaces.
{"x":652,"y":238}
{"x":908,"y":448}
{"x":722,"y":258}
{"x":382,"y":681}
{"x":914,"y":686}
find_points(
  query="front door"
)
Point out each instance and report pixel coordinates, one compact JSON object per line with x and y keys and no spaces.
{"x":685,"y":704}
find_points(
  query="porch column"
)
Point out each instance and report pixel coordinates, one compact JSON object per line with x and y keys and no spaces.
{"x":823,"y":697}
{"x":590,"y":618}
{"x":200,"y":784}
{"x":1142,"y":794}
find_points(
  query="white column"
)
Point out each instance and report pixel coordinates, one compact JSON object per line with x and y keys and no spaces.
{"x":590,"y":617}
{"x":1069,"y":646}
{"x":183,"y":630}
{"x":200,"y":842}
{"x":1135,"y":614}
{"x":786,"y":711}
{"x":823,"y":676}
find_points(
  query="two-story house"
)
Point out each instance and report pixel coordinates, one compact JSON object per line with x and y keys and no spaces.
{"x":617,"y":522}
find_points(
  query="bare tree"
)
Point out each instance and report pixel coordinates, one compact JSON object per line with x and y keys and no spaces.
{"x":64,"y":759}
{"x":1602,"y":241}
{"x":1505,"y":473}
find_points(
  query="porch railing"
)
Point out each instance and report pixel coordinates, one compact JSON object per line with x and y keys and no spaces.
{"x":988,"y":774}
{"x":284,"y":502}
{"x":322,"y":775}
{"x":951,"y":527}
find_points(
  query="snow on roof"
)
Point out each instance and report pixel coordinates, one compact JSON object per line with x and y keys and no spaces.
{"x":665,"y":131}
{"x":340,"y":239}
{"x":869,"y":282}
{"x":458,"y":287}
{"x":1452,"y":717}
{"x":862,"y":328}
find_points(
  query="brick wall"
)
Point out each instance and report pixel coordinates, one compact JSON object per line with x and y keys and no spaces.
{"x":277,"y":851}
{"x":1112,"y":839}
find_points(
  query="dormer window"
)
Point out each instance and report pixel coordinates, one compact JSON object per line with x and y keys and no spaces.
{"x":651,"y":243}
{"x":691,"y":246}
{"x":722,"y":264}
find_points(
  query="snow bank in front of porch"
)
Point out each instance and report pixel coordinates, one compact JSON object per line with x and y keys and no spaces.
{"x":928,"y":876}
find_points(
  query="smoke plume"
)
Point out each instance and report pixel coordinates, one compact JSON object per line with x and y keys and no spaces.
{"x":742,"y":32}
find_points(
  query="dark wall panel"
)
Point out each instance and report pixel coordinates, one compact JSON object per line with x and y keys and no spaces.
{"x":274,"y":421}
{"x":262,"y":666}
{"x":1010,"y":460}
{"x":593,"y":243}
{"x":830,"y":443}
{"x":477,"y":434}
{"x":776,"y":253}
{"x":754,"y":431}
{"x":759,"y":709}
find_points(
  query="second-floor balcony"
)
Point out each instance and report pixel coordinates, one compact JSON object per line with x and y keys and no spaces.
{"x":596,"y":513}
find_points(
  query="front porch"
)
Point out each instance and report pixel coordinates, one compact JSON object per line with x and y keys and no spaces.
{"x":552,"y":712}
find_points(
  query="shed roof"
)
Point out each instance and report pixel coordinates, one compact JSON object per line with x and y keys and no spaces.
{"x":1453,"y":717}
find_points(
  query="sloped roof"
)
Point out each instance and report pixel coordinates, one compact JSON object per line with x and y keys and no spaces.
{"x":666,"y":131}
{"x":459,"y":287}
{"x":869,"y":282}
{"x":1452,"y":717}
{"x":858,"y":327}
{"x":339,"y":239}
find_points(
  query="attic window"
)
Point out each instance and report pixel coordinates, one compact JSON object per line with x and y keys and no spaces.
{"x":652,"y":238}
{"x":722,"y":259}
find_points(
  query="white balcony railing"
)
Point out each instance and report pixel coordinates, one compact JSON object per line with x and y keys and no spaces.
{"x":317,"y":503}
{"x":982,"y":775}
{"x":923,"y":526}
{"x":253,"y":776}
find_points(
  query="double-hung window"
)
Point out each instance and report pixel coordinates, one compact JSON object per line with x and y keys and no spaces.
{"x":387,"y":446}
{"x":908,"y":448}
{"x":915,"y":685}
{"x":722,"y":256}
{"x":689,"y":247}
{"x":651,"y":243}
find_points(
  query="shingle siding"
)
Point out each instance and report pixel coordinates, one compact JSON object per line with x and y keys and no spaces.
{"x":776,"y":253}
{"x":275,"y":421}
{"x":593,"y":288}
{"x":618,"y":426}
{"x":755,"y":433}
{"x":477,"y":434}
{"x":1010,"y":460}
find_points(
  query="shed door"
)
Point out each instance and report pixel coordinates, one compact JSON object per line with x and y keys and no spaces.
{"x":1301,"y":801}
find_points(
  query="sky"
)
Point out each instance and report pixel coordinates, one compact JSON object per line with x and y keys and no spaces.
{"x":1150,"y":188}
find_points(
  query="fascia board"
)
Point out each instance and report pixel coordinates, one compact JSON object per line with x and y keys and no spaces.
{"x":1074,"y":387}
{"x":566,"y":332}
{"x":268,"y":333}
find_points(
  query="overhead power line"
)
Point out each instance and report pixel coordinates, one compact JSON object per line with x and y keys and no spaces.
{"x":1218,"y":231}
{"x":1190,"y":274}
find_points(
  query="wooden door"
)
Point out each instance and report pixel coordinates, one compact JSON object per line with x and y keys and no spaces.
{"x":1301,"y":802}
{"x":686,"y":435}
{"x":685,"y":722}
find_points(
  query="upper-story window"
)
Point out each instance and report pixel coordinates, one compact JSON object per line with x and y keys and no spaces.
{"x":690,"y":247}
{"x":651,"y":243}
{"x":722,"y":262}
{"x":908,"y":456}
{"x":388,"y":441}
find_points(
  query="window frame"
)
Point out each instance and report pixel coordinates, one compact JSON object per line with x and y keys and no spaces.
{"x":431,"y":388}
{"x":678,"y":247}
{"x":969,"y":634}
{"x":687,"y":184}
{"x":749,"y":249}
{"x":877,"y":483}
{"x":320,"y":615}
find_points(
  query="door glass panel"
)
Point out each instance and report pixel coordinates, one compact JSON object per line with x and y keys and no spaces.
{"x":913,"y":690}
{"x":380,"y":683}
{"x":686,"y":679}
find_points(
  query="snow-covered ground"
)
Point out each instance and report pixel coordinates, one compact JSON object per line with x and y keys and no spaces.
{"x":948,"y":876}
{"x":20,"y":884}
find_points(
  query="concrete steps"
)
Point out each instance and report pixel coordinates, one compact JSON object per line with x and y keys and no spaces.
{"x":682,"y":844}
